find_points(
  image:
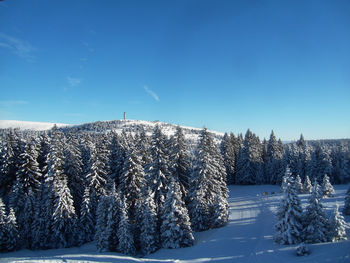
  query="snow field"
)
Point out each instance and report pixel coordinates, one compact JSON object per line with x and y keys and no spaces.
{"x":248,"y":237}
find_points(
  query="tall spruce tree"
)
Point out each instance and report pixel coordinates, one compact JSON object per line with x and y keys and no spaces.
{"x":132,"y":180}
{"x":180,"y":165}
{"x":125,"y":235}
{"x":176,"y":229}
{"x":12,"y":231}
{"x":228,"y":153}
{"x":149,"y":235}
{"x":64,"y":229}
{"x":158,"y":170}
{"x":208,"y":182}
{"x":249,"y":165}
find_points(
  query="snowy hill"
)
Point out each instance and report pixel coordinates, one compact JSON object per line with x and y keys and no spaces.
{"x":134,"y":126}
{"x":28,"y":125}
{"x":248,"y":237}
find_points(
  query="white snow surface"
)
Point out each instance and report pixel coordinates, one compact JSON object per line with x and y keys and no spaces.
{"x":248,"y":237}
{"x":29,"y":125}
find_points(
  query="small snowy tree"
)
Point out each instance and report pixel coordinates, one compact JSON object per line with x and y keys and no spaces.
{"x":286,"y":179}
{"x":316,"y":226}
{"x":346,"y":210}
{"x":176,"y":229}
{"x":289,"y":226}
{"x":307,"y":185}
{"x":298,"y":185}
{"x":327,"y":188}
{"x":338,"y":226}
{"x":12,"y":231}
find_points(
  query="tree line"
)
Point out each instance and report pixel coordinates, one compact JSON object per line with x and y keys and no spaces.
{"x":132,"y":194}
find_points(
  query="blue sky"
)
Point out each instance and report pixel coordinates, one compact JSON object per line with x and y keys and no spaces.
{"x":226,"y":65}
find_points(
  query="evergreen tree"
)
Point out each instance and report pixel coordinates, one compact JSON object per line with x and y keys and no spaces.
{"x":64,"y":217}
{"x":220,"y":211}
{"x":125,"y":235}
{"x":132,"y":180}
{"x":289,"y":226}
{"x":273,"y":163}
{"x":3,"y":227}
{"x":86,"y":220}
{"x":158,"y":170}
{"x":176,"y":229}
{"x":21,"y":198}
{"x":74,"y":171}
{"x":228,"y":153}
{"x":12,"y":231}
{"x":320,"y":163}
{"x":208,"y":182}
{"x":249,"y":164}
{"x":180,"y":160}
{"x":149,"y":236}
{"x":298,"y":185}
{"x":316,"y":225}
{"x":338,"y":226}
{"x":107,"y":222}
{"x":327,"y":188}
{"x":307,"y":185}
{"x":346,"y":209}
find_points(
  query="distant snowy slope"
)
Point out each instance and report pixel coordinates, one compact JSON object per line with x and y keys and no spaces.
{"x":134,"y":126}
{"x":29,"y":125}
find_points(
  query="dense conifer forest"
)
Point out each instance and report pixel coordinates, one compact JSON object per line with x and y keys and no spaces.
{"x":139,"y":190}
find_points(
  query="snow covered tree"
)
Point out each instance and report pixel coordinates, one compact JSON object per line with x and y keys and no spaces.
{"x":298,"y":185}
{"x":220,"y":211}
{"x":326,"y":187}
{"x":73,"y":168}
{"x":107,"y":222}
{"x":208,"y":182}
{"x":12,"y":231}
{"x":27,"y":183}
{"x":320,"y":163}
{"x":3,"y":227}
{"x":289,"y":226}
{"x":64,"y":217}
{"x":249,"y":163}
{"x":346,"y":210}
{"x":341,"y":164}
{"x":273,"y":163}
{"x":149,"y":236}
{"x":176,"y":229}
{"x":180,"y":164}
{"x":125,"y":236}
{"x":338,"y":226}
{"x":316,"y":225}
{"x":10,"y":162}
{"x":287,"y":179}
{"x":229,"y":157}
{"x":307,"y":185}
{"x":158,"y":170}
{"x":86,"y":220}
{"x":132,"y":180}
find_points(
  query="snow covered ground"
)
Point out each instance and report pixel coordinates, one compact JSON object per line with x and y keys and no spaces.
{"x":246,"y":238}
{"x":29,"y":125}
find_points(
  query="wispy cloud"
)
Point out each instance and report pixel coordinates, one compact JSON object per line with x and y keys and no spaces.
{"x":17,"y":46}
{"x":152,"y":93}
{"x":88,"y":46}
{"x":74,"y":81}
{"x":11,"y":103}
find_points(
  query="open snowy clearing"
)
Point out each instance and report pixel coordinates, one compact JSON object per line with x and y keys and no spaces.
{"x":246,"y":238}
